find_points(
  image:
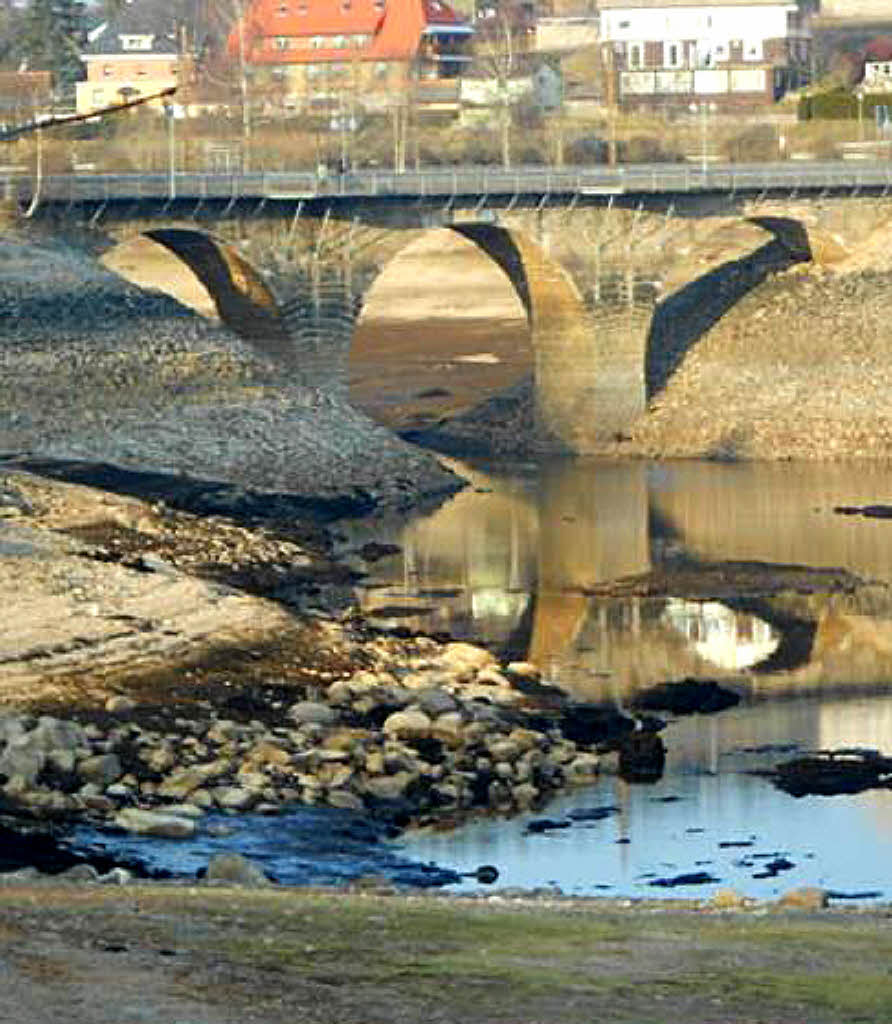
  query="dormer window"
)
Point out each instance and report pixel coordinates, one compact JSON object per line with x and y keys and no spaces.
{"x":283,"y":10}
{"x":141,"y":42}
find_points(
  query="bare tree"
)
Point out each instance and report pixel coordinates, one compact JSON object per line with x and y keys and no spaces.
{"x":497,"y":58}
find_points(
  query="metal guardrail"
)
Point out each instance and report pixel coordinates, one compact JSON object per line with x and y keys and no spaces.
{"x":457,"y":182}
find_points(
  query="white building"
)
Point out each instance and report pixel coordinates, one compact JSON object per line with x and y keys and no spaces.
{"x":877,"y":76}
{"x":734,"y":52}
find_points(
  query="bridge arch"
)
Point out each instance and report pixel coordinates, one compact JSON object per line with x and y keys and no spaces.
{"x":582,"y":393}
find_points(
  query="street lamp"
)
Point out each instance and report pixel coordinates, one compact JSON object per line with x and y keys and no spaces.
{"x":171,"y":150}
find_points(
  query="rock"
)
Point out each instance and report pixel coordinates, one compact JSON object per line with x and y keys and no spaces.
{"x":340,"y":692}
{"x":235,"y":798}
{"x":62,"y":760}
{"x":463,"y":658}
{"x":184,"y":810}
{"x":448,"y":728}
{"x":491,"y":676}
{"x":642,"y":757}
{"x":160,"y":759}
{"x":389,"y":787}
{"x":583,"y":767}
{"x":344,"y":799}
{"x":409,"y":724}
{"x":234,"y":869}
{"x":154,"y":823}
{"x":120,"y":704}
{"x":312,"y":713}
{"x":55,"y":733}
{"x":181,"y":783}
{"x":12,"y":727}
{"x":523,"y":670}
{"x":525,"y":795}
{"x":503,"y":749}
{"x":103,"y":769}
{"x":804,"y":898}
{"x":686,"y":697}
{"x":265,"y":755}
{"x":117,"y":876}
{"x":22,"y":761}
{"x":435,"y":701}
{"x":79,"y":873}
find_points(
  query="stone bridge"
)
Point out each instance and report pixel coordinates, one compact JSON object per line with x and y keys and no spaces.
{"x":615,"y":291}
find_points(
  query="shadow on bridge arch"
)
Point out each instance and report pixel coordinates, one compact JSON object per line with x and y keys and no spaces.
{"x":685,"y":316}
{"x":244,"y":300}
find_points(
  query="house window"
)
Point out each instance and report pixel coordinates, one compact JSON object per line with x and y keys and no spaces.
{"x":381,"y":70}
{"x":636,"y":55}
{"x":753,"y":49}
{"x":107,"y":71}
{"x":283,"y":43}
{"x":672,"y":55}
{"x":319,"y":42}
{"x":624,"y":24}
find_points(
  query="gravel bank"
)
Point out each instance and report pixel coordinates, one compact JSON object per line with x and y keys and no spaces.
{"x":799,"y":368}
{"x":98,"y":369}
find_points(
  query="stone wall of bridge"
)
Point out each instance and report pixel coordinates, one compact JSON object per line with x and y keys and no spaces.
{"x":614,"y":295}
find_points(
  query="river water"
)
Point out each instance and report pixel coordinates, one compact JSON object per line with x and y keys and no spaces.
{"x":541,"y":562}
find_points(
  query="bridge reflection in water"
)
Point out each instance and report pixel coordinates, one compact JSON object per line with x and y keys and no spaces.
{"x":540,"y":563}
{"x":591,"y":570}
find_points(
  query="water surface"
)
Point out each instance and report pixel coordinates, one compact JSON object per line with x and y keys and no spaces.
{"x":547,"y":563}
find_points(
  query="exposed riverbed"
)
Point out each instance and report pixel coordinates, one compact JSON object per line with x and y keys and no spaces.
{"x":610,"y":578}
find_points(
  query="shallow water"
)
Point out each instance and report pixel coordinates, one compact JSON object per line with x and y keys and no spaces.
{"x":526,"y":561}
{"x":757,"y":583}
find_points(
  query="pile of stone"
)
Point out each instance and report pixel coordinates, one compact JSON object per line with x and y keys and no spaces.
{"x":440,"y":736}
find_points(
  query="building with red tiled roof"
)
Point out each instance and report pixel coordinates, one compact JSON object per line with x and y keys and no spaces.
{"x":316,"y":49}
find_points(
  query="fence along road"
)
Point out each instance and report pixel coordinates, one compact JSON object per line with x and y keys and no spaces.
{"x":461,"y":182}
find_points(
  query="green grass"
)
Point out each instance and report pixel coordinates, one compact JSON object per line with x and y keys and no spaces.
{"x":361,"y":959}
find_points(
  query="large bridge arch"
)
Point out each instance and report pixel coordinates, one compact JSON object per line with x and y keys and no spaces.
{"x":588,"y":279}
{"x":588,"y":371}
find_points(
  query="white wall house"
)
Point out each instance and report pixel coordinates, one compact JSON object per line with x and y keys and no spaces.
{"x":734,"y":52}
{"x":877,"y":76}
